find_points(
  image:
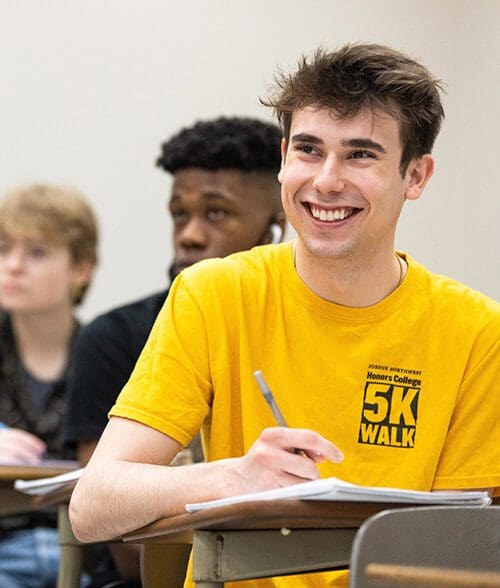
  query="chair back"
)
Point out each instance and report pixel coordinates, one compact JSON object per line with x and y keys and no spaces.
{"x":452,"y":539}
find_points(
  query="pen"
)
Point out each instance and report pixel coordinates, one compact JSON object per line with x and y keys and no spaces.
{"x":268,"y":395}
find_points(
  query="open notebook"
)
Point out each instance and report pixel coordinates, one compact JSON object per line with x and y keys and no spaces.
{"x":335,"y":489}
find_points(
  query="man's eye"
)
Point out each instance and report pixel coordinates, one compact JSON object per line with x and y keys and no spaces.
{"x":362,"y":155}
{"x":216,"y":214}
{"x":305,"y":148}
{"x":178,"y":216}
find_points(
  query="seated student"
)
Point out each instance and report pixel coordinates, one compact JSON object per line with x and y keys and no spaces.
{"x":351,"y":335}
{"x":225,"y":197}
{"x":48,"y":240}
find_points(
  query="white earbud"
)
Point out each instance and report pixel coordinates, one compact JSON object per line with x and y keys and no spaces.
{"x":276,"y":232}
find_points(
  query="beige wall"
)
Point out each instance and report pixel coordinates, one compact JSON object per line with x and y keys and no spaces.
{"x":90,"y":90}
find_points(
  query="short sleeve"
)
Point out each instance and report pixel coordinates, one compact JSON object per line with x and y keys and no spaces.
{"x":170,"y":387}
{"x":471,"y":455}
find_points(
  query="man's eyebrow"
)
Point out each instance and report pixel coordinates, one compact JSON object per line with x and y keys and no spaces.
{"x":209,"y":195}
{"x":307,"y":138}
{"x":215,"y":195}
{"x":363,"y":143}
{"x":358,"y":143}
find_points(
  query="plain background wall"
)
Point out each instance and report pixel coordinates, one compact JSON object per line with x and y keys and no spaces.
{"x":90,"y":89}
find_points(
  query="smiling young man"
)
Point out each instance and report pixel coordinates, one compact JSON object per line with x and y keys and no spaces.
{"x":351,"y":335}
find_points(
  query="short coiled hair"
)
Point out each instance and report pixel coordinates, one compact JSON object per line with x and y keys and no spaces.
{"x":245,"y":144}
{"x":365,"y":76}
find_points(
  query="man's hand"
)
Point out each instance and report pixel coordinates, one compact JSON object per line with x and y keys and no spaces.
{"x":273,"y":461}
{"x":18,"y":447}
{"x":128,"y":484}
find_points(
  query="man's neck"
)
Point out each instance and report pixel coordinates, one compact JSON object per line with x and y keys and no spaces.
{"x":355,"y":281}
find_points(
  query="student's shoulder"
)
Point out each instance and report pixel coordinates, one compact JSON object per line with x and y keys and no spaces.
{"x":126,"y":318}
{"x":459,"y":302}
{"x":450,"y":290}
{"x":238,"y":268}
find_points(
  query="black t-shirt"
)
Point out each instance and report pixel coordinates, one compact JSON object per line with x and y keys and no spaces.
{"x":18,"y":408}
{"x":105,"y":355}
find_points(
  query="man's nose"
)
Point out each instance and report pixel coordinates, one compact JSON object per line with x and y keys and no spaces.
{"x":193,"y":234}
{"x":329,"y":177}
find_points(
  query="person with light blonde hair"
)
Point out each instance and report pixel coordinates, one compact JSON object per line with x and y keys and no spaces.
{"x":48,"y":252}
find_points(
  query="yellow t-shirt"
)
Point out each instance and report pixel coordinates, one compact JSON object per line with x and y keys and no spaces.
{"x":407,"y":388}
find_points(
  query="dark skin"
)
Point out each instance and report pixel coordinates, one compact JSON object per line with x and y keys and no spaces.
{"x":219,"y":212}
{"x":214,"y":213}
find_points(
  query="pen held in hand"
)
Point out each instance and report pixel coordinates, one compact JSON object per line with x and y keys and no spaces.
{"x":269,"y":398}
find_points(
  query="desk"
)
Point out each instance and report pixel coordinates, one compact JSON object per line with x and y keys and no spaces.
{"x":261,"y":539}
{"x":14,"y":502}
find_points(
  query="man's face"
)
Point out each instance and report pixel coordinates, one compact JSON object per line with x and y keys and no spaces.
{"x":216,"y":213}
{"x":342,"y":188}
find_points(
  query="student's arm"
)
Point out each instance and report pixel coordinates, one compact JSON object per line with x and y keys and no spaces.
{"x":127,"y":483}
{"x":126,"y":556}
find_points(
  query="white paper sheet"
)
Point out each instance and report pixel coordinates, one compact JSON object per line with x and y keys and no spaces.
{"x":47,"y":485}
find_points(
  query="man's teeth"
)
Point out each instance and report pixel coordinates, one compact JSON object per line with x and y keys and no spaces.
{"x":331,"y":215}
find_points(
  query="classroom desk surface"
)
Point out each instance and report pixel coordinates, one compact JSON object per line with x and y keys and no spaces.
{"x":259,"y":515}
{"x":262,"y":538}
{"x":12,"y":501}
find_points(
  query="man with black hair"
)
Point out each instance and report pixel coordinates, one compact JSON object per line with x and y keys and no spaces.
{"x":225,"y":198}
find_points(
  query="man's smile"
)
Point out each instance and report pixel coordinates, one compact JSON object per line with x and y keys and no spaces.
{"x":332,"y":214}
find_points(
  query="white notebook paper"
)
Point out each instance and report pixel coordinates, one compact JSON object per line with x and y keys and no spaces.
{"x":333,"y":489}
{"x":47,"y":485}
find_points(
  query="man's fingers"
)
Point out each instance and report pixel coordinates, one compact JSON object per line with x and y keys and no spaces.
{"x":314,"y":445}
{"x":333,"y":454}
{"x":283,"y":456}
{"x":299,"y":466}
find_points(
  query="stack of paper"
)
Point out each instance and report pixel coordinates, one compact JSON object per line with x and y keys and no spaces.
{"x":333,"y":489}
{"x":47,"y":485}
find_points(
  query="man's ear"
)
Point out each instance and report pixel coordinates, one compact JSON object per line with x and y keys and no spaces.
{"x":419,"y":172}
{"x":283,"y":157}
